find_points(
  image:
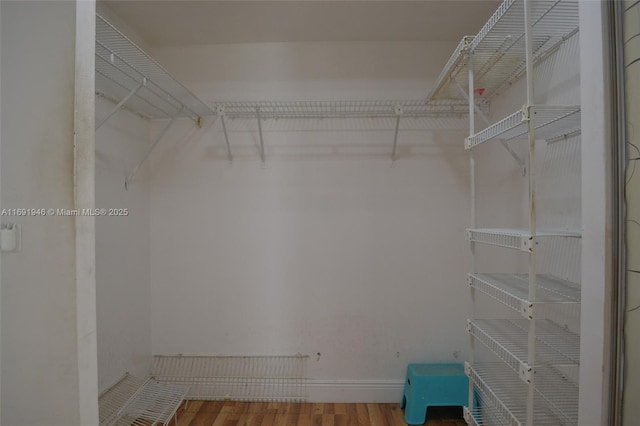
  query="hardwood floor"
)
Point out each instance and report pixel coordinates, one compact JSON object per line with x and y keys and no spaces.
{"x":229,"y":413}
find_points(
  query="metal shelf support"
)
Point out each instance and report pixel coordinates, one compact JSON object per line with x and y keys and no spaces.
{"x":399,"y":111}
{"x":151,"y":148}
{"x":487,"y":123}
{"x":260,"y":132}
{"x":121,"y":103}
{"x":220,"y":111}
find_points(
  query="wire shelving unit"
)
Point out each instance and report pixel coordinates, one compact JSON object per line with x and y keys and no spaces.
{"x":535,"y":382}
{"x":498,"y":52}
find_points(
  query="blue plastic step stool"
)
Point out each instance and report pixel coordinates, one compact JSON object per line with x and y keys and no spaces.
{"x":432,"y":385}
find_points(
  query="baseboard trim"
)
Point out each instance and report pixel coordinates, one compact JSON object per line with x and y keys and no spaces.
{"x":322,"y":390}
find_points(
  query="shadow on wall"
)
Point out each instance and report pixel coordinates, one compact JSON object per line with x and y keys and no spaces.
{"x":318,"y":139}
{"x":322,"y":139}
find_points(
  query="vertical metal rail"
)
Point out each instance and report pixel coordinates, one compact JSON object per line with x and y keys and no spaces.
{"x":528,"y":35}
{"x":260,"y":132}
{"x":121,"y":103}
{"x":151,"y":148}
{"x":472,"y":244}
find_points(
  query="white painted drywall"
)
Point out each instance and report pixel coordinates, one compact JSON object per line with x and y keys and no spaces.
{"x":328,"y":248}
{"x":39,"y":328}
{"x":122,"y":249}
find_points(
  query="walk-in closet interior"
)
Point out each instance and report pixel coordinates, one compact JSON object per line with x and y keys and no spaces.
{"x":292,"y":201}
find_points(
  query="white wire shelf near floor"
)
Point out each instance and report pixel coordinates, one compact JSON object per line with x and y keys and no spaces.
{"x":516,"y":238}
{"x":502,"y":398}
{"x":487,"y":412}
{"x":155,"y":403}
{"x":114,"y":398}
{"x":550,"y":122}
{"x":512,"y":290}
{"x":508,"y":340}
{"x":498,"y":50}
{"x":126,"y":74}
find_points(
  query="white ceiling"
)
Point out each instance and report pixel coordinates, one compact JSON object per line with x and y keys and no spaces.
{"x":185,"y":22}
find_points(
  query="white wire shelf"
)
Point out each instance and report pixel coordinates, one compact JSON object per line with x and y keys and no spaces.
{"x":114,"y":398}
{"x":550,"y":121}
{"x":340,"y":109}
{"x":154,"y":403}
{"x":240,"y":378}
{"x":498,"y":50}
{"x":516,"y":238}
{"x":503,"y":398}
{"x":512,"y":290}
{"x":121,"y":66}
{"x":508,"y":340}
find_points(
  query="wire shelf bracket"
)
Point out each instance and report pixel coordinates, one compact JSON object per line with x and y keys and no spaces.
{"x":399,"y":111}
{"x":121,"y":104}
{"x":487,"y":122}
{"x":260,"y":133}
{"x":132,"y":175}
{"x":221,"y":113}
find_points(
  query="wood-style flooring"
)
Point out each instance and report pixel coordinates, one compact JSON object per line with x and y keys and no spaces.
{"x":229,"y":413}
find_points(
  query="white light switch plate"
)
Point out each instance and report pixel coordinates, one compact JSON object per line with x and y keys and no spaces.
{"x":10,"y":237}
